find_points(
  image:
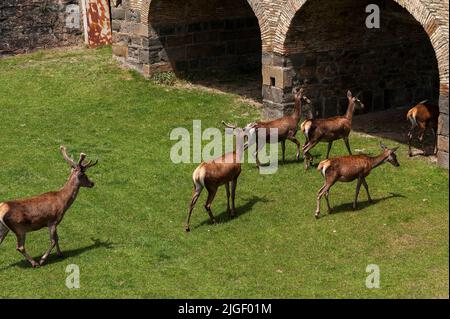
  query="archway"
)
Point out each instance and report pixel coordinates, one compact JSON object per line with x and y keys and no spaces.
{"x":400,"y":64}
{"x":205,"y":38}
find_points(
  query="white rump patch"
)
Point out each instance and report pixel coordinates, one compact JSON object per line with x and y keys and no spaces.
{"x":199,"y":177}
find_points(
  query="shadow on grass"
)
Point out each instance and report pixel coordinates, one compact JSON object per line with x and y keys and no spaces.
{"x":348,"y":207}
{"x":241,"y":210}
{"x":53,"y":258}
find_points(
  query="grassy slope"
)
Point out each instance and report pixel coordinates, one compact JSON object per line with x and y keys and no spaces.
{"x":126,"y":234}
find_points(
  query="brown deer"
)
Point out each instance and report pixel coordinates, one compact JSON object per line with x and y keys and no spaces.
{"x":329,"y":129}
{"x":349,"y":168}
{"x":287,"y":126}
{"x":422,"y":116}
{"x":46,"y":210}
{"x":223,"y":170}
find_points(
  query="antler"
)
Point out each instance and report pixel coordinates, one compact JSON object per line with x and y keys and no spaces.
{"x":89,"y":164}
{"x":229,"y":125}
{"x":68,"y":159}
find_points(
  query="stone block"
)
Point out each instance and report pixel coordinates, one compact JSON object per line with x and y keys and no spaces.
{"x":443,"y":159}
{"x":120,"y":49}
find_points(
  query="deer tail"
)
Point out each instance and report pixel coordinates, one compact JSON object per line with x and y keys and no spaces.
{"x":411,"y":116}
{"x":323,"y":166}
{"x":198,"y":177}
{"x":305,"y":127}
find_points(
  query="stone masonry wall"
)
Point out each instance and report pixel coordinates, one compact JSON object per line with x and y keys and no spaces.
{"x":405,"y":66}
{"x":193,"y":36}
{"x":26,"y":25}
{"x":394,"y":66}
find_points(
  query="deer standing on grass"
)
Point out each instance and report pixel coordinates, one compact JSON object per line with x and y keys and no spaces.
{"x":422,"y":116}
{"x":46,"y":210}
{"x":287,"y":126}
{"x":223,"y":170}
{"x":349,"y":168}
{"x":329,"y":130}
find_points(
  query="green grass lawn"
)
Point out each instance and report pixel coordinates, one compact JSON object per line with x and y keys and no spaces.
{"x":126,"y":234}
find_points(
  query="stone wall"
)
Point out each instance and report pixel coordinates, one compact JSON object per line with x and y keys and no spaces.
{"x":394,"y":66}
{"x":187,"y":36}
{"x":26,"y":25}
{"x":404,"y":63}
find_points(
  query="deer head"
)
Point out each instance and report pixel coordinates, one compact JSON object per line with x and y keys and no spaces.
{"x":355,"y":100}
{"x":299,"y":94}
{"x":390,"y":153}
{"x":79,"y":169}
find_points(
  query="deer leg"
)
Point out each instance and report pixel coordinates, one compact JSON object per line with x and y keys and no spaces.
{"x":227,"y":188}
{"x":283,"y":149}
{"x":58,"y":250}
{"x":3,"y":232}
{"x":258,"y":163}
{"x":211,"y":194}
{"x":330,"y":144}
{"x":297,"y":143}
{"x":21,"y":249}
{"x":358,"y":187}
{"x":327,"y":198}
{"x":367,"y":190}
{"x":233,"y":194}
{"x":347,"y":144}
{"x":195,"y":196}
{"x":308,"y":157}
{"x":421,"y":137}
{"x":410,"y":137}
{"x":435,"y":140}
{"x":329,"y":181}
{"x":53,"y":240}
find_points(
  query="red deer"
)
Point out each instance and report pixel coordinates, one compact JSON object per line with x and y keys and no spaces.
{"x":329,"y":130}
{"x":220,"y":171}
{"x":46,"y":210}
{"x":349,"y":168}
{"x":422,"y":116}
{"x":287,"y":126}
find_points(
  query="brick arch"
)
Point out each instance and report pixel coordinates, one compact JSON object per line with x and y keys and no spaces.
{"x":256,"y":6}
{"x":435,"y":27}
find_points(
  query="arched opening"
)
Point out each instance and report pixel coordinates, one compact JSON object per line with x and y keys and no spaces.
{"x":205,"y":40}
{"x":394,"y":66}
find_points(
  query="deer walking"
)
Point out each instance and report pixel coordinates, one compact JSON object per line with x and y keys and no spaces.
{"x":349,"y":168}
{"x":329,"y":129}
{"x":223,"y":170}
{"x":46,"y":210}
{"x":287,"y":126}
{"x":422,"y":116}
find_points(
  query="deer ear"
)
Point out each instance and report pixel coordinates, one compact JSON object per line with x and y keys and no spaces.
{"x":383,"y":147}
{"x":395,"y":149}
{"x":349,"y":94}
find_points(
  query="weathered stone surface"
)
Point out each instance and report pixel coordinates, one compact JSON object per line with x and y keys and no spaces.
{"x":443,"y":159}
{"x":120,"y":49}
{"x":26,"y":25}
{"x":443,"y":143}
{"x":443,"y":124}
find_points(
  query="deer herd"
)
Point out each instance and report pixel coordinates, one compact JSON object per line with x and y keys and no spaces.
{"x":218,"y":172}
{"x":47,"y":210}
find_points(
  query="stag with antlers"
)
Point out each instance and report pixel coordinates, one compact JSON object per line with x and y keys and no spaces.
{"x":287,"y":126}
{"x":46,"y":210}
{"x":329,"y":129}
{"x":349,"y":168}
